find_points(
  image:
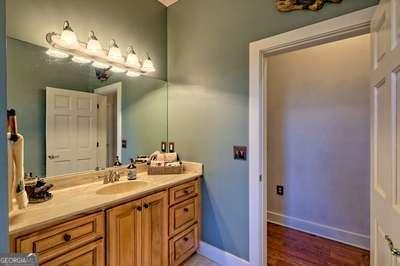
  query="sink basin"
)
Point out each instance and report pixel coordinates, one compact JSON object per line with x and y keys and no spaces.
{"x":123,"y":187}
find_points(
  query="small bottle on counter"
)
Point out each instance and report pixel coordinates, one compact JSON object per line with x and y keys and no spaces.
{"x":117,"y":162}
{"x":132,"y":172}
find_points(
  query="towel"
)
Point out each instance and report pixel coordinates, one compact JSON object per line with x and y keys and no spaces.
{"x":16,"y":173}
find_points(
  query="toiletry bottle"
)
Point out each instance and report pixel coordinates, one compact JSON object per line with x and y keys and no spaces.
{"x":117,"y":162}
{"x":132,"y":170}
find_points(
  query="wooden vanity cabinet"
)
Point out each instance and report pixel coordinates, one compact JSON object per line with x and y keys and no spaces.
{"x":137,"y":232}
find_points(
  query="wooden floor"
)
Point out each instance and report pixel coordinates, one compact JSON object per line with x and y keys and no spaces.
{"x":287,"y":247}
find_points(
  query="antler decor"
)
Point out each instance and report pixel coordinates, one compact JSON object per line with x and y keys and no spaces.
{"x":314,"y":5}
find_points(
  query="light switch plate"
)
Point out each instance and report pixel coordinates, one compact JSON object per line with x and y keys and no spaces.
{"x":171,"y":147}
{"x":240,"y":153}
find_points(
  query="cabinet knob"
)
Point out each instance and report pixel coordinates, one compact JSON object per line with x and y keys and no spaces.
{"x":185,"y":239}
{"x":67,"y":237}
{"x":186,"y":191}
{"x":146,"y":206}
{"x":185,"y":209}
{"x":139,"y":208}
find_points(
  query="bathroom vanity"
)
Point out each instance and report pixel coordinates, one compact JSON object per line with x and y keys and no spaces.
{"x":154,"y":220}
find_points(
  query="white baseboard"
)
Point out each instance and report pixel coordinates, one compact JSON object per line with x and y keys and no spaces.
{"x":219,"y":256}
{"x":340,"y":235}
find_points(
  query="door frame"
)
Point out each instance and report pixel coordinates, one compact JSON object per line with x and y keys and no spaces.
{"x":111,"y":89}
{"x":349,"y":25}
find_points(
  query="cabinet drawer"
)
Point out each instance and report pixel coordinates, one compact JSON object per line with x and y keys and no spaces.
{"x":54,"y":241}
{"x":91,"y":254}
{"x":183,"y":192}
{"x":183,"y":245}
{"x":183,"y":215}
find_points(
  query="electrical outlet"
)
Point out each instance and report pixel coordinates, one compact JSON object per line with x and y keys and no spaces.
{"x":240,"y":153}
{"x":279,"y":190}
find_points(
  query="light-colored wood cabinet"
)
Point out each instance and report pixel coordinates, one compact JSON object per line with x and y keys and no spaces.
{"x":161,"y":229}
{"x":124,"y":234}
{"x":91,"y":254}
{"x":55,"y":241}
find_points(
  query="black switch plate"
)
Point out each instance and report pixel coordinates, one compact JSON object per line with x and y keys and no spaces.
{"x":164,"y":146}
{"x":280,"y":190}
{"x":240,"y":153}
{"x":171,"y":147}
{"x":124,"y":143}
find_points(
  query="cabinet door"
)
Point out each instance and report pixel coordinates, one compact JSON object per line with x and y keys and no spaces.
{"x":155,"y":230}
{"x":124,"y":235}
{"x":91,"y":254}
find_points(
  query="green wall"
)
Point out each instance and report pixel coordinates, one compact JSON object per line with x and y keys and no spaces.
{"x":208,"y":44}
{"x":4,"y":245}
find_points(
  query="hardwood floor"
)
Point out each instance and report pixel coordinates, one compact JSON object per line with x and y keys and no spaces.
{"x":287,"y":247}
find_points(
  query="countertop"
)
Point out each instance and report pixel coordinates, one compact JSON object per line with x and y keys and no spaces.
{"x":82,"y":199}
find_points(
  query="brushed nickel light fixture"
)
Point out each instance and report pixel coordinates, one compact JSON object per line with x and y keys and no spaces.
{"x":67,"y":45}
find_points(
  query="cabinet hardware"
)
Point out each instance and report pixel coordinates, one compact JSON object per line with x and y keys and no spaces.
{"x":146,"y":206}
{"x":139,"y":209}
{"x":67,"y":237}
{"x":185,"y":209}
{"x":185,"y":239}
{"x":395,"y":251}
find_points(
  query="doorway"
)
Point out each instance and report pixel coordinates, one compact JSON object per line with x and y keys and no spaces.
{"x":318,"y":142}
{"x":339,"y":28}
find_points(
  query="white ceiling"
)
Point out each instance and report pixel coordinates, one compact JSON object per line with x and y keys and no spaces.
{"x":168,"y":2}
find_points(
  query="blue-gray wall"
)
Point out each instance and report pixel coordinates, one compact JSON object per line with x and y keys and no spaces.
{"x":208,"y":43}
{"x":3,"y":144}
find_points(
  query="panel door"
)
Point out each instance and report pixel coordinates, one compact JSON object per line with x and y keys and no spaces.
{"x":155,"y":230}
{"x":124,"y":235}
{"x":385,"y":134}
{"x":71,"y":131}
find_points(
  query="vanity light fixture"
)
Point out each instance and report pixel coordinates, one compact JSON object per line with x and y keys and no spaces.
{"x":132,"y":59}
{"x":68,"y":35}
{"x":93,"y":46}
{"x":148,"y":66}
{"x":114,"y":53}
{"x":56,"y":53}
{"x":81,"y":60}
{"x":67,"y":44}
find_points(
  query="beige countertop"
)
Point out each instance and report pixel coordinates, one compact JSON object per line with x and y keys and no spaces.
{"x":81,"y":199}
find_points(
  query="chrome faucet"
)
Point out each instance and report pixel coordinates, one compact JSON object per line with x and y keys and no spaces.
{"x":113,"y":176}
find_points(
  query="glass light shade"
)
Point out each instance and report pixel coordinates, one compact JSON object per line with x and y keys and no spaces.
{"x":100,"y":65}
{"x":118,"y":70}
{"x":132,"y":61}
{"x":56,"y":53}
{"x":94,"y":46}
{"x":114,"y":53}
{"x":148,"y":66}
{"x":81,"y":60}
{"x":68,"y":36}
{"x":132,"y":74}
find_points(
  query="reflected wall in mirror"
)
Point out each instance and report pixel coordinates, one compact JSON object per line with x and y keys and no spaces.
{"x":70,"y":119}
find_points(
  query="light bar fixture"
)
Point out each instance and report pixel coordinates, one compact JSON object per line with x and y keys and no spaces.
{"x":67,"y":45}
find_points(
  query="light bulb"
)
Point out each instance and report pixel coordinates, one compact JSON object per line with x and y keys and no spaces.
{"x":68,"y":36}
{"x":132,"y":60}
{"x":148,"y":65}
{"x":114,"y":53}
{"x":132,"y":74}
{"x":56,"y":53}
{"x":100,"y":65}
{"x":117,"y":70}
{"x":93,"y":46}
{"x":81,"y":60}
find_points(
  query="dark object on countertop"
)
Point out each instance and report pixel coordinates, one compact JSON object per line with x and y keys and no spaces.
{"x":12,"y":125}
{"x":117,"y":162}
{"x":132,"y":164}
{"x":39,"y":192}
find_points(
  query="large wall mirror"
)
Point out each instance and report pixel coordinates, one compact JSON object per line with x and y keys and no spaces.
{"x":74,"y":117}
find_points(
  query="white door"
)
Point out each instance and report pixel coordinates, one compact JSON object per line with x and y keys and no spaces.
{"x":71,"y":131}
{"x":385,"y":135}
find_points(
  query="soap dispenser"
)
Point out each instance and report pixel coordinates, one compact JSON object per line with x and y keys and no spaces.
{"x":117,"y":162}
{"x":132,"y":172}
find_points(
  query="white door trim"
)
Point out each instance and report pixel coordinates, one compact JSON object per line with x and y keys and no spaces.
{"x":342,"y":27}
{"x":111,"y":89}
